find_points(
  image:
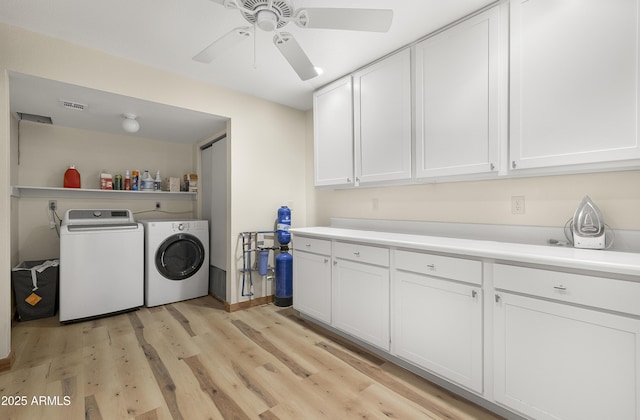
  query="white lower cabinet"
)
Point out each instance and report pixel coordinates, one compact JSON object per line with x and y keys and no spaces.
{"x":361,"y":292}
{"x":312,"y":278}
{"x":438,"y":322}
{"x":553,"y":360}
{"x":563,"y":345}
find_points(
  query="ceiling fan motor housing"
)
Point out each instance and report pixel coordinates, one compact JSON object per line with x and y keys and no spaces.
{"x":268,"y":19}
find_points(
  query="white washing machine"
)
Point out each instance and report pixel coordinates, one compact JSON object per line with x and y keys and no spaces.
{"x":101,"y":263}
{"x":176,"y":260}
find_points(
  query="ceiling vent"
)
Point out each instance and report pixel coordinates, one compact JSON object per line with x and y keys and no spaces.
{"x":23,"y":116}
{"x":73,"y":105}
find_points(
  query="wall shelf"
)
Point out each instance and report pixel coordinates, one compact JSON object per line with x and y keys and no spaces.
{"x":50,"y":192}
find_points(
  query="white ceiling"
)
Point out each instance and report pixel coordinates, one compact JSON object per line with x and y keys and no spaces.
{"x":166,"y":34}
{"x":104,"y":111}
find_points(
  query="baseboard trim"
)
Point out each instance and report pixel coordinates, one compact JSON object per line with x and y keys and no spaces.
{"x":5,"y":364}
{"x":248,"y":303}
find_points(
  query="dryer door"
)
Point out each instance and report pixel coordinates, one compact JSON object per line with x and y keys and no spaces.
{"x":180,"y":256}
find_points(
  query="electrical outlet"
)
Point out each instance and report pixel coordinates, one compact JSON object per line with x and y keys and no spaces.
{"x":157,"y":205}
{"x":517,"y":204}
{"x":53,"y":205}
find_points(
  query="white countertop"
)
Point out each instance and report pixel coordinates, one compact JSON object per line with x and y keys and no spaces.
{"x":625,"y":263}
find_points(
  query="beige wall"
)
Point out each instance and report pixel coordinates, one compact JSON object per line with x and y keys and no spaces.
{"x":549,"y":200}
{"x":5,"y":217}
{"x":266,"y":140}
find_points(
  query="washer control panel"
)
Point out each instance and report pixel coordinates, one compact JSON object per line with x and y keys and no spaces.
{"x":181,"y":226}
{"x":189,"y":225}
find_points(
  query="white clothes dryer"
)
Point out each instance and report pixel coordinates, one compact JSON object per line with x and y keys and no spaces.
{"x":176,"y":260}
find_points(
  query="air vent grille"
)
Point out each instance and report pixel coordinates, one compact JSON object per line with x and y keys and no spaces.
{"x":23,"y":116}
{"x":73,"y":105}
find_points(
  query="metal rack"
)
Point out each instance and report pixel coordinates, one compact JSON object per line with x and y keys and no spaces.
{"x":250,"y":245}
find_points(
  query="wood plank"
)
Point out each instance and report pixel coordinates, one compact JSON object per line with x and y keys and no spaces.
{"x":165,"y":382}
{"x":190,"y":399}
{"x":234,"y":360}
{"x":261,"y":341}
{"x":294,"y":316}
{"x":227,"y":406}
{"x":377,"y":374}
{"x":91,"y":409}
{"x":181,"y":319}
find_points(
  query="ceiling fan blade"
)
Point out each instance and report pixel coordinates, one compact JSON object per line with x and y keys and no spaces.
{"x":294,"y":54}
{"x":223,"y":43}
{"x":371,"y":20}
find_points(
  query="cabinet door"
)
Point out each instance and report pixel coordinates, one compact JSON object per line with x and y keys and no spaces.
{"x":312,"y":285}
{"x":574,"y":82}
{"x":333,"y":134}
{"x":361,"y":301}
{"x":382,"y":103}
{"x":458,"y":76}
{"x":556,"y":361}
{"x":438,"y":327}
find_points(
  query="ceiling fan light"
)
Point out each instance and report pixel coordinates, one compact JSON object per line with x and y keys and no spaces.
{"x":130,"y":124}
{"x":267,"y":20}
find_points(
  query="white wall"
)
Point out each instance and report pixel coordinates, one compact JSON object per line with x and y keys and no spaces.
{"x":267,"y":141}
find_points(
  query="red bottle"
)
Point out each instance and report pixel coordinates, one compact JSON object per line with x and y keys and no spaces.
{"x":72,"y":178}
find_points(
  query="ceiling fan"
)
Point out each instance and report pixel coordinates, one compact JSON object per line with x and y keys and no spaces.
{"x":271,"y":15}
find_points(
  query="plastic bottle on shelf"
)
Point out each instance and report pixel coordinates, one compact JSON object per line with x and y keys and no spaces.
{"x":158,"y":182}
{"x":147,"y":181}
{"x":72,"y":177}
{"x":117,"y":182}
{"x":127,"y":181}
{"x":135,"y":180}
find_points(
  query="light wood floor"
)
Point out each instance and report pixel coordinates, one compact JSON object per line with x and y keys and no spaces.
{"x":192,"y":360}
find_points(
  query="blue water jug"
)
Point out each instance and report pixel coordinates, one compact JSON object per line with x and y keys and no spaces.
{"x":284,"y":223}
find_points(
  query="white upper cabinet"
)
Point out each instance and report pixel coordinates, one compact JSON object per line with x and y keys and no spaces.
{"x":574,"y":82}
{"x":459,"y":77}
{"x":382,"y":111}
{"x":333,"y":134}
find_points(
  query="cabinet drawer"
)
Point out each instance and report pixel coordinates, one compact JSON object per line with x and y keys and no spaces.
{"x":362,"y":253}
{"x":317,"y":246}
{"x":460,"y":269}
{"x":599,"y":292}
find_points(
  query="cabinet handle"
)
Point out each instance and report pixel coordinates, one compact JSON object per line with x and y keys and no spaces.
{"x":560,"y":287}
{"x":513,"y":164}
{"x":348,"y":180}
{"x":497,"y":298}
{"x":326,"y":260}
{"x":307,"y":245}
{"x":474,"y":294}
{"x":357,"y":253}
{"x":431,"y":267}
{"x":492,"y":166}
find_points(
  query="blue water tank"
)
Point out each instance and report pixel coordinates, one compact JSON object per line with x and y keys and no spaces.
{"x":284,"y":279}
{"x":284,"y":223}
